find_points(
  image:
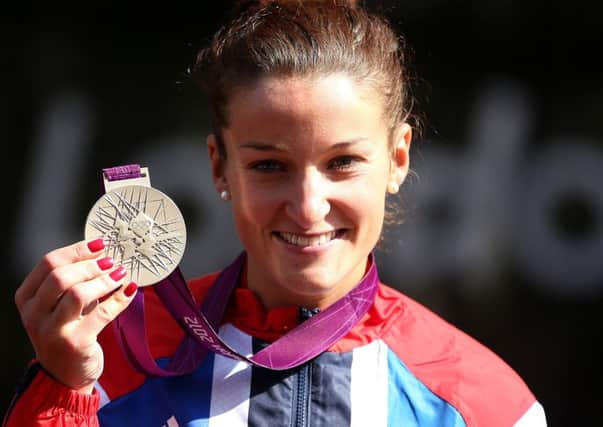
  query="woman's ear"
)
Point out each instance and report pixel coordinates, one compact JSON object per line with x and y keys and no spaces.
{"x":216,"y":160}
{"x":400,"y":156}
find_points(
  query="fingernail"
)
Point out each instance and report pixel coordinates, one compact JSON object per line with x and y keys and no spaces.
{"x":118,"y":274}
{"x":105,"y":263}
{"x":130,"y":289}
{"x":96,"y":245}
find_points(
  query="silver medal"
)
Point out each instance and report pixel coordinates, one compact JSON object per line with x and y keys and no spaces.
{"x":143,"y":231}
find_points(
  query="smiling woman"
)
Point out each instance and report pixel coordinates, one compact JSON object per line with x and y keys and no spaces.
{"x":308,"y":190}
{"x":311,"y":131}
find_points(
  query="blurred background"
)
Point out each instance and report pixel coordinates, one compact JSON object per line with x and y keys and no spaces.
{"x":503,"y":216}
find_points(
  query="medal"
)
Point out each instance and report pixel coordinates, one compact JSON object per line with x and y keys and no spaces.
{"x":142,"y":228}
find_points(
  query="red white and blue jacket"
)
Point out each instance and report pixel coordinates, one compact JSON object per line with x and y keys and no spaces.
{"x":401,"y":365}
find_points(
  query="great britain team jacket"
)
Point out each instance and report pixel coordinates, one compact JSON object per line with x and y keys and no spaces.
{"x":401,"y":365}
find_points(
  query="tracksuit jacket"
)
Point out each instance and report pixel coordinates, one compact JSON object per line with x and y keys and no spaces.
{"x":401,"y":365}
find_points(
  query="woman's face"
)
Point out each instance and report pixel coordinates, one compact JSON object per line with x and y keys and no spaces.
{"x":307,"y":165}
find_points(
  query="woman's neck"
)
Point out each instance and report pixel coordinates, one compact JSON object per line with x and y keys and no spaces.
{"x":299,"y":292}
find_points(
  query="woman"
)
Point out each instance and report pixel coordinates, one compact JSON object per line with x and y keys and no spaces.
{"x":310,"y":132}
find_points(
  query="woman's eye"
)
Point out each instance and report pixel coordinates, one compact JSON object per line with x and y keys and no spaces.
{"x":343,"y":162}
{"x":267,"y":166}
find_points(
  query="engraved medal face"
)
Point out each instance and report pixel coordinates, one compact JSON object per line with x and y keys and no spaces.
{"x":143,"y":231}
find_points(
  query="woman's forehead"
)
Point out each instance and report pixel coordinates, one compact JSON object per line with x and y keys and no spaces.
{"x":313,"y":114}
{"x":305,"y":96}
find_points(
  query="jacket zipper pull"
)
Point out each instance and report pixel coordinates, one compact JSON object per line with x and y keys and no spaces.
{"x":306,"y":313}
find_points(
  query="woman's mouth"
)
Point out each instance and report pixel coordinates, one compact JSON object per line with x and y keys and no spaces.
{"x":302,"y":240}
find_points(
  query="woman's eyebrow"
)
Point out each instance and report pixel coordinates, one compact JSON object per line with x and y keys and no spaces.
{"x":346,"y":144}
{"x":263,"y":146}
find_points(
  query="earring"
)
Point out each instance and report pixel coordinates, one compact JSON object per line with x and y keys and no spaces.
{"x":225,"y":195}
{"x":392,"y":188}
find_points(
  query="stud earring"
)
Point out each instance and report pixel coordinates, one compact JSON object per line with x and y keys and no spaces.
{"x":225,"y":195}
{"x":392,"y":188}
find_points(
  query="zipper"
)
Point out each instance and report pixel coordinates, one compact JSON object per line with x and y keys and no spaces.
{"x":301,"y":393}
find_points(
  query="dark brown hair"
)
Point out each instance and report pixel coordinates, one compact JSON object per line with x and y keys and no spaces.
{"x":303,"y":38}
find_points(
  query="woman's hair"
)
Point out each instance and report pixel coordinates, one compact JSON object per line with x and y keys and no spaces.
{"x":285,"y":38}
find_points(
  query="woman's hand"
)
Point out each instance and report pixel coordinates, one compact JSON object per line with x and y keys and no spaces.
{"x":64,"y":303}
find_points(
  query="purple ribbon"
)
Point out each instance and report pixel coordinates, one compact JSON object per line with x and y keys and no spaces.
{"x":304,"y":342}
{"x":122,"y":172}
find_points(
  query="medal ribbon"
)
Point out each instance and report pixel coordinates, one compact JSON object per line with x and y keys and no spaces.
{"x":304,"y":342}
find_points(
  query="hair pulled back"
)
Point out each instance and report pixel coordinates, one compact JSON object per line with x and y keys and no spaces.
{"x":288,"y":38}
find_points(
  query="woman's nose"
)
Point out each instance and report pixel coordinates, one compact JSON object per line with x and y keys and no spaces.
{"x":308,"y":202}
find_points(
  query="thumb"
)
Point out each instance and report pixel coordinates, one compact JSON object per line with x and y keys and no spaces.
{"x":107,"y":310}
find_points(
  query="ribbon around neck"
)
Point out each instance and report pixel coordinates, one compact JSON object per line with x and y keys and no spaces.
{"x":299,"y":345}
{"x":304,"y":342}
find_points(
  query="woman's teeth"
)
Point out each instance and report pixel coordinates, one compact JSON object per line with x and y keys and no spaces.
{"x":317,"y":240}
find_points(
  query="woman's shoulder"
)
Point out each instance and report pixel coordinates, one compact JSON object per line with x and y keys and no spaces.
{"x":449,"y":363}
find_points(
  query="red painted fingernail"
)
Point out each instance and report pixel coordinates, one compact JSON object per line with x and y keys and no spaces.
{"x":118,"y":274}
{"x":96,"y":245}
{"x":105,"y":263}
{"x":130,"y":289}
